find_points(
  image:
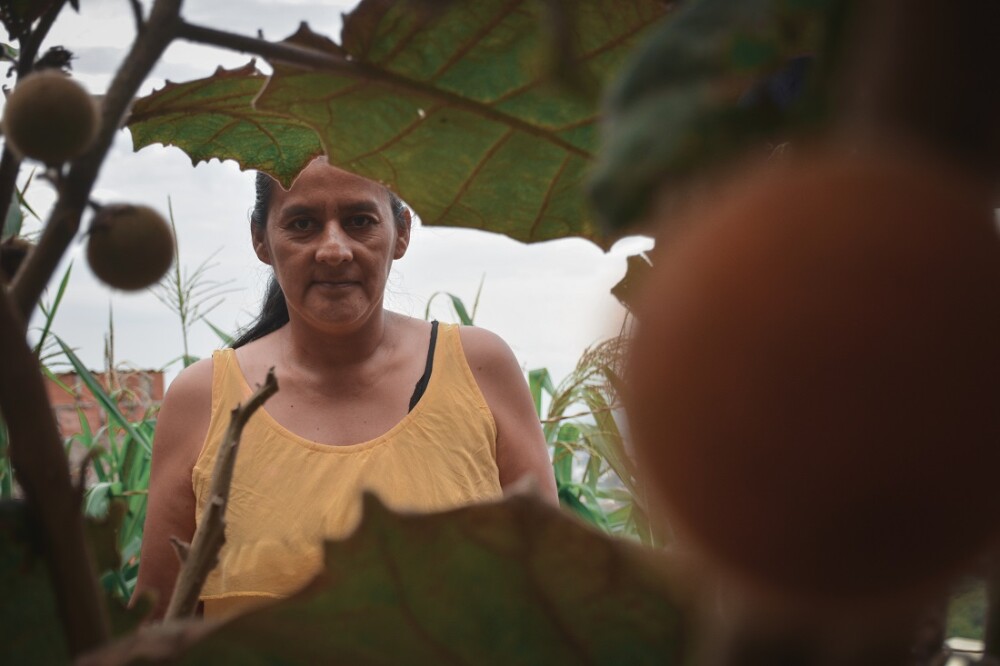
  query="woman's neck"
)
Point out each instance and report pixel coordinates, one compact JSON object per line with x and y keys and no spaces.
{"x":305,"y":346}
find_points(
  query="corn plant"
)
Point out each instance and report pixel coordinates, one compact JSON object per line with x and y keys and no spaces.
{"x":118,"y":456}
{"x":595,"y":473}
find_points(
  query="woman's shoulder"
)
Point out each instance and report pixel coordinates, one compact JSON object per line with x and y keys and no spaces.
{"x":192,"y":383}
{"x":485,"y":348}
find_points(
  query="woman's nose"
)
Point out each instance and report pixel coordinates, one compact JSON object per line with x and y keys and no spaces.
{"x":334,"y":246}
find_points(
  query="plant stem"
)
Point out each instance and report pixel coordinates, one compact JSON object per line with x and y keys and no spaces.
{"x":198,"y":560}
{"x":64,"y":221}
{"x":37,"y":453}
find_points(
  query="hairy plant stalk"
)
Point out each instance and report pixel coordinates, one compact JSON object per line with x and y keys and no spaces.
{"x":37,"y":455}
{"x":64,"y":221}
{"x":198,"y":559}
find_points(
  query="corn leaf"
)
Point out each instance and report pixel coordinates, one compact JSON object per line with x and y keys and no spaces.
{"x":107,"y":403}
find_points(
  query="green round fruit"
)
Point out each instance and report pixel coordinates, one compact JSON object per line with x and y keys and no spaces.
{"x":815,"y":380}
{"x":129,"y":247}
{"x":49,"y":117}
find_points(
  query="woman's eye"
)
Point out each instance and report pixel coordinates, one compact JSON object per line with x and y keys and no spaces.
{"x":359,"y":221}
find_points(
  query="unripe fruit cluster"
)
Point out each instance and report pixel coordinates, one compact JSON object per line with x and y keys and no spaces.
{"x":49,"y":117}
{"x":129,"y":247}
{"x":815,"y":382}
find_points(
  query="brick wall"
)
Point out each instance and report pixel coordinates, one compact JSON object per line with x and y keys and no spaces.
{"x":141,"y":390}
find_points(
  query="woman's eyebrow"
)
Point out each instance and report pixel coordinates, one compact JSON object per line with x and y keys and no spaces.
{"x":363,"y":206}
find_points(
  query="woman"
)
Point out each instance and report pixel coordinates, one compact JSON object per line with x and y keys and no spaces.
{"x":428,"y":417}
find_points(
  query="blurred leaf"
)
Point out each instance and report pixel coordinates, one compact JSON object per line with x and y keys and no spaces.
{"x":30,"y":632}
{"x":637,"y":269}
{"x":455,"y":109}
{"x":681,"y":105}
{"x":13,"y":221}
{"x":517,"y":582}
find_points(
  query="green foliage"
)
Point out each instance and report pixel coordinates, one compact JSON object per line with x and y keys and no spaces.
{"x":119,"y":455}
{"x":458,"y":305}
{"x":191,"y":295}
{"x":967,"y":611}
{"x":595,"y":476}
{"x":456,"y":109}
{"x":681,"y":104}
{"x":509,"y":583}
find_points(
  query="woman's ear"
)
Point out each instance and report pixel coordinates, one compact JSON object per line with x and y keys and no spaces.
{"x":259,"y":238}
{"x":403,"y":235}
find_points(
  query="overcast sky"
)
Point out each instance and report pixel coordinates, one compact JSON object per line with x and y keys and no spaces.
{"x":549,"y":301}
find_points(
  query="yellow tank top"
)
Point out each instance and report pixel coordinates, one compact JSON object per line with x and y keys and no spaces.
{"x":288,"y":493}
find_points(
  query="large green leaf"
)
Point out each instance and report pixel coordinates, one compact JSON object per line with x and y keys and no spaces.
{"x":517,"y":582}
{"x":213,"y":118}
{"x":456,"y":109}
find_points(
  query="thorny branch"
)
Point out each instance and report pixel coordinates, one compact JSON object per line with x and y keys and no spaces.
{"x":198,"y":559}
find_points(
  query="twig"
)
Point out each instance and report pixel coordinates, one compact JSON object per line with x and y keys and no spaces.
{"x":64,"y":221}
{"x":198,"y":559}
{"x":140,"y":22}
{"x":42,"y":468}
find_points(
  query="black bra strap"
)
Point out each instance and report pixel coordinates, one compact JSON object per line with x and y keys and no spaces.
{"x":421,"y":386}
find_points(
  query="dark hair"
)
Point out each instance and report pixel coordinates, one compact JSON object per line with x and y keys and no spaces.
{"x":274,"y":310}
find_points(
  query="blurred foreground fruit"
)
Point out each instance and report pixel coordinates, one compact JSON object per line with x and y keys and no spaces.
{"x":49,"y":117}
{"x":129,"y":247}
{"x":815,"y":383}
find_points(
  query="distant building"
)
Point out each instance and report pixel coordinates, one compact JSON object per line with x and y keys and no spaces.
{"x":139,"y":393}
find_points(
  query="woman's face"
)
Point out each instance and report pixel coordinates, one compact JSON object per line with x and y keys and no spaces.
{"x":331,"y":240}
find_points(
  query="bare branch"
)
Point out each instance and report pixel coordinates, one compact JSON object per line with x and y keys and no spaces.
{"x":64,"y":221}
{"x":201,"y":557}
{"x":140,"y":22}
{"x":152,"y":644}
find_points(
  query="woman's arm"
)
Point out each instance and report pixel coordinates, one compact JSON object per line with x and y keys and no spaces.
{"x":521,"y":449}
{"x":180,"y":431}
